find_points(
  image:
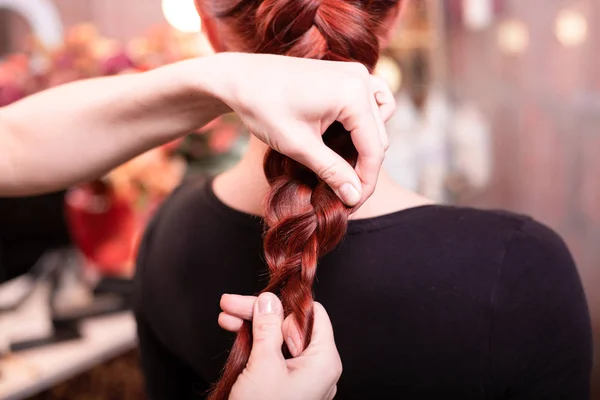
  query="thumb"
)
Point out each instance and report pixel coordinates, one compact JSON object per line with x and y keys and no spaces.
{"x":322,"y":334}
{"x":266,"y":329}
{"x":322,"y":345}
{"x":322,"y":330}
{"x":334,"y":170}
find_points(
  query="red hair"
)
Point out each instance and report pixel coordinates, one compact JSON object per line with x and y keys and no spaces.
{"x":305,"y":219}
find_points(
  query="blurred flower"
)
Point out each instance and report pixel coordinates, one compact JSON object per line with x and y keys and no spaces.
{"x":116,"y":64}
{"x":9,"y":93}
{"x":222,"y":139}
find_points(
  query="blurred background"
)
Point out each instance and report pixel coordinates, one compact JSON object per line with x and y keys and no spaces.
{"x":498,"y":107}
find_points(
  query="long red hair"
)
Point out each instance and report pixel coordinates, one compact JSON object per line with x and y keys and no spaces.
{"x":305,"y":219}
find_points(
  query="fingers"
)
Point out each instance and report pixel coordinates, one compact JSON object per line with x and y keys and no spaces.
{"x":266,"y":330}
{"x":367,"y":140}
{"x":361,"y":117}
{"x":322,"y":352}
{"x":322,"y":329}
{"x":334,"y":170}
{"x":381,"y":98}
{"x":384,"y":97}
{"x":292,"y":336}
{"x":380,"y":124}
{"x":322,"y":332}
{"x":332,"y":393}
{"x":238,"y":306}
{"x":230,"y":323}
{"x":323,"y":343}
{"x":236,"y":309}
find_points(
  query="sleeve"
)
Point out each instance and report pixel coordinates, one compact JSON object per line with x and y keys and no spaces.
{"x":166,"y":376}
{"x":540,"y":337}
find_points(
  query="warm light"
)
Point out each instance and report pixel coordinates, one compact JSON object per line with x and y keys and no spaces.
{"x":571,"y":28}
{"x":513,"y":37}
{"x":388,"y":69}
{"x":181,"y":15}
{"x":478,"y":14}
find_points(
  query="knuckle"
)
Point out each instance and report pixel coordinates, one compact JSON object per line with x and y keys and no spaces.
{"x":331,"y":367}
{"x":291,"y":146}
{"x":338,"y":367}
{"x":356,"y":87}
{"x":376,"y":156}
{"x":392,"y":102}
{"x":265,"y":329}
{"x":337,"y":371}
{"x":329,"y":172}
{"x":359,"y":69}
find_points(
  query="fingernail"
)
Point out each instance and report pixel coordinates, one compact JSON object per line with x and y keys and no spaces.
{"x":350,"y":194}
{"x":266,"y":303}
{"x":379,"y":97}
{"x":291,"y":346}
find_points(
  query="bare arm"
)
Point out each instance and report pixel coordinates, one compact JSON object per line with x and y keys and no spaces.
{"x":81,"y":130}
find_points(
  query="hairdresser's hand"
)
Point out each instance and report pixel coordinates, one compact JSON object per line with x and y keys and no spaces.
{"x":312,"y":375}
{"x":289,"y":102}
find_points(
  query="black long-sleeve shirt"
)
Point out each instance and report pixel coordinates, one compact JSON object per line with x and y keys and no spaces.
{"x":433,"y":302}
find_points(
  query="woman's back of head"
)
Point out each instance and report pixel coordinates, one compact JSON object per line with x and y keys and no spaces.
{"x":337,"y":30}
{"x":305,"y":218}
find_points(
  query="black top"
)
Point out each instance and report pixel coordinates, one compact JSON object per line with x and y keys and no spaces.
{"x":432,"y":302}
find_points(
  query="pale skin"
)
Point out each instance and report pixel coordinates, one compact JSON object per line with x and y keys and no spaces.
{"x":313,"y":372}
{"x":79,"y":131}
{"x":311,"y":375}
{"x":244,"y":187}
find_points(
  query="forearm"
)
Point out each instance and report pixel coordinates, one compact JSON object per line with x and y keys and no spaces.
{"x":79,"y":131}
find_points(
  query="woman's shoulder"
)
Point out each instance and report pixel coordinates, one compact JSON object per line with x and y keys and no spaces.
{"x":195,"y":205}
{"x":530,"y":256}
{"x":512,"y":240}
{"x":522,"y":235}
{"x":460,"y":223}
{"x":494,"y":222}
{"x":523,"y":231}
{"x":191,"y":225}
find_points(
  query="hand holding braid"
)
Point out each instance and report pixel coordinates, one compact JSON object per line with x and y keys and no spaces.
{"x":305,"y":221}
{"x":305,"y":218}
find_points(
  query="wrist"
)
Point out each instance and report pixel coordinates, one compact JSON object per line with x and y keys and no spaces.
{"x":190,"y":92}
{"x":211,"y":80}
{"x":230,"y":78}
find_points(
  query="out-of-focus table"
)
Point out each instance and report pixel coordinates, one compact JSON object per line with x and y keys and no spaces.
{"x":29,"y":372}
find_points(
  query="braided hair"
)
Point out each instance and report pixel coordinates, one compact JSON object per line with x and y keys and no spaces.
{"x":304,"y":218}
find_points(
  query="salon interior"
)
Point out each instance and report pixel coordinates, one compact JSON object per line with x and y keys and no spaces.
{"x":498,"y":107}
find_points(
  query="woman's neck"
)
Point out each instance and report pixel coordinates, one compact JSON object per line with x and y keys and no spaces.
{"x":244,"y":188}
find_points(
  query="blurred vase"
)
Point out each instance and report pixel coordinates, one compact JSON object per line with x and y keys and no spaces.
{"x":104,"y":227}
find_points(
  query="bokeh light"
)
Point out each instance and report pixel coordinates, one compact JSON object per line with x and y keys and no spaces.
{"x":571,"y":28}
{"x":389,"y":70}
{"x":513,"y":37}
{"x":182,"y":15}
